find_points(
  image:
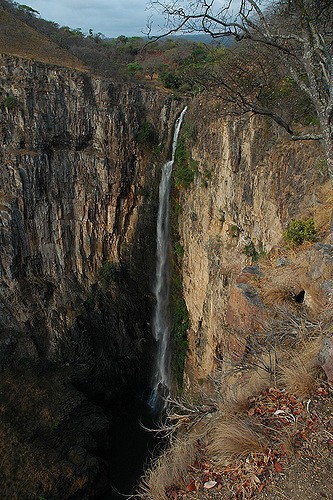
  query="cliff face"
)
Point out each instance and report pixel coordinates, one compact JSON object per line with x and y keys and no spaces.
{"x":80,"y":165}
{"x":77,"y":190}
{"x":251,"y":181}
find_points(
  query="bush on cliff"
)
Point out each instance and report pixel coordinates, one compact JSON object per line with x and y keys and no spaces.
{"x":299,"y":231}
{"x":146,"y":135}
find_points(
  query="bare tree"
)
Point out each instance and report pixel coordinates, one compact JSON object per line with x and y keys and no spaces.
{"x":300,"y":32}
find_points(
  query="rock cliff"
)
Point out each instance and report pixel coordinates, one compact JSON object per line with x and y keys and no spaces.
{"x":251,"y":180}
{"x":77,"y":189}
{"x":80,"y":163}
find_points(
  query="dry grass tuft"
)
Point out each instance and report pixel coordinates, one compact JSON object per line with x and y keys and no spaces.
{"x":234,"y":439}
{"x":237,"y":393}
{"x":168,"y":469}
{"x":300,"y":373}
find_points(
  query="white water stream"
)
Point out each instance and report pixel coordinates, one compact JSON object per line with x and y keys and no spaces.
{"x":161,"y":320}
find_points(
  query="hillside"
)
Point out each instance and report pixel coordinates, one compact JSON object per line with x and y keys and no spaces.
{"x":19,"y":39}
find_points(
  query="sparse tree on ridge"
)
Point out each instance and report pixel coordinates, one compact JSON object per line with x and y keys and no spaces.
{"x":300,"y":32}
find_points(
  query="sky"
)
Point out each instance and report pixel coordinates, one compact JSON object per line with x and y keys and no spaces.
{"x":110,"y":17}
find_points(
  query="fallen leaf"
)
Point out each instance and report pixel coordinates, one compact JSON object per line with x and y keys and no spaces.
{"x":251,"y":412}
{"x":277,"y":466}
{"x":283,"y":448}
{"x":210,"y":484}
{"x":191,"y":486}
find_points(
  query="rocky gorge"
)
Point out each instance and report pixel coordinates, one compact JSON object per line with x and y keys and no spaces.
{"x":78,"y":206}
{"x":78,"y":212}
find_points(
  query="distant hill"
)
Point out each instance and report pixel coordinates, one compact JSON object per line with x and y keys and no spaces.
{"x":226,"y":41}
{"x":19,"y":39}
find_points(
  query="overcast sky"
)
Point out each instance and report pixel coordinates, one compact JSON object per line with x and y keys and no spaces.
{"x":110,"y":17}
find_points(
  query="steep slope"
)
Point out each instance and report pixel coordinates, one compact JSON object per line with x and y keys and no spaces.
{"x":255,"y":416}
{"x":78,"y":205}
{"x":19,"y":39}
{"x":251,"y":182}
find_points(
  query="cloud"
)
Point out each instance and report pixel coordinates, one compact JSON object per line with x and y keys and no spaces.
{"x":111,"y":17}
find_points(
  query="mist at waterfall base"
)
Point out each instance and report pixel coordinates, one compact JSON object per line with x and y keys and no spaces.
{"x":132,"y":447}
{"x":161,"y":320}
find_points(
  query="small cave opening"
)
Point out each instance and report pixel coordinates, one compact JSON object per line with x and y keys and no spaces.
{"x":299,"y":297}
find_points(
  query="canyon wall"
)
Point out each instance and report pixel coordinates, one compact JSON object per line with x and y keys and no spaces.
{"x":251,"y":180}
{"x":78,"y":192}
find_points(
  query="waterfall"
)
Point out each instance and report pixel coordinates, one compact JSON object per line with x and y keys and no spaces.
{"x":161,"y":319}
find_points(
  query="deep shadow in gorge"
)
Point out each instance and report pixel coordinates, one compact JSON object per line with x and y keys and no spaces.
{"x":120,"y":357}
{"x":130,"y":446}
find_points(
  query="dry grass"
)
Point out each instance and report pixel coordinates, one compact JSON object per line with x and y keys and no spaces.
{"x":282,"y":283}
{"x":300,"y":373}
{"x":19,"y":39}
{"x":168,"y":469}
{"x":322,"y":211}
{"x":229,"y":440}
{"x":238,"y":390}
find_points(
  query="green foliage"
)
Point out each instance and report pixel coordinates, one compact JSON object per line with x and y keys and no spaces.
{"x":28,"y":10}
{"x":170,"y":79}
{"x":108,"y":273}
{"x":189,"y":131}
{"x":157,"y":150}
{"x":177,"y":209}
{"x":134,"y":68}
{"x":234,"y":231}
{"x":308,"y":119}
{"x":206,"y":176}
{"x":179,"y":250}
{"x":181,"y":324}
{"x":185,"y":166}
{"x":146,"y":135}
{"x":143,"y":191}
{"x":250,"y":251}
{"x":299,"y":231}
{"x":9,"y":101}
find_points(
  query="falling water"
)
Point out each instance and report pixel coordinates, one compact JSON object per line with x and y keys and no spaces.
{"x":161,"y":320}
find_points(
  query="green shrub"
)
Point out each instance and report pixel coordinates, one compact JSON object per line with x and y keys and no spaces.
{"x":157,"y":151}
{"x":189,"y":131}
{"x":250,"y":251}
{"x":170,"y":79}
{"x":134,"y":68}
{"x":185,"y":166}
{"x":108,"y":273}
{"x":234,"y":231}
{"x":299,"y":231}
{"x":221,"y":216}
{"x":321,"y":165}
{"x":146,"y":135}
{"x":179,"y":249}
{"x":181,"y":324}
{"x":177,"y":209}
{"x":9,"y":101}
